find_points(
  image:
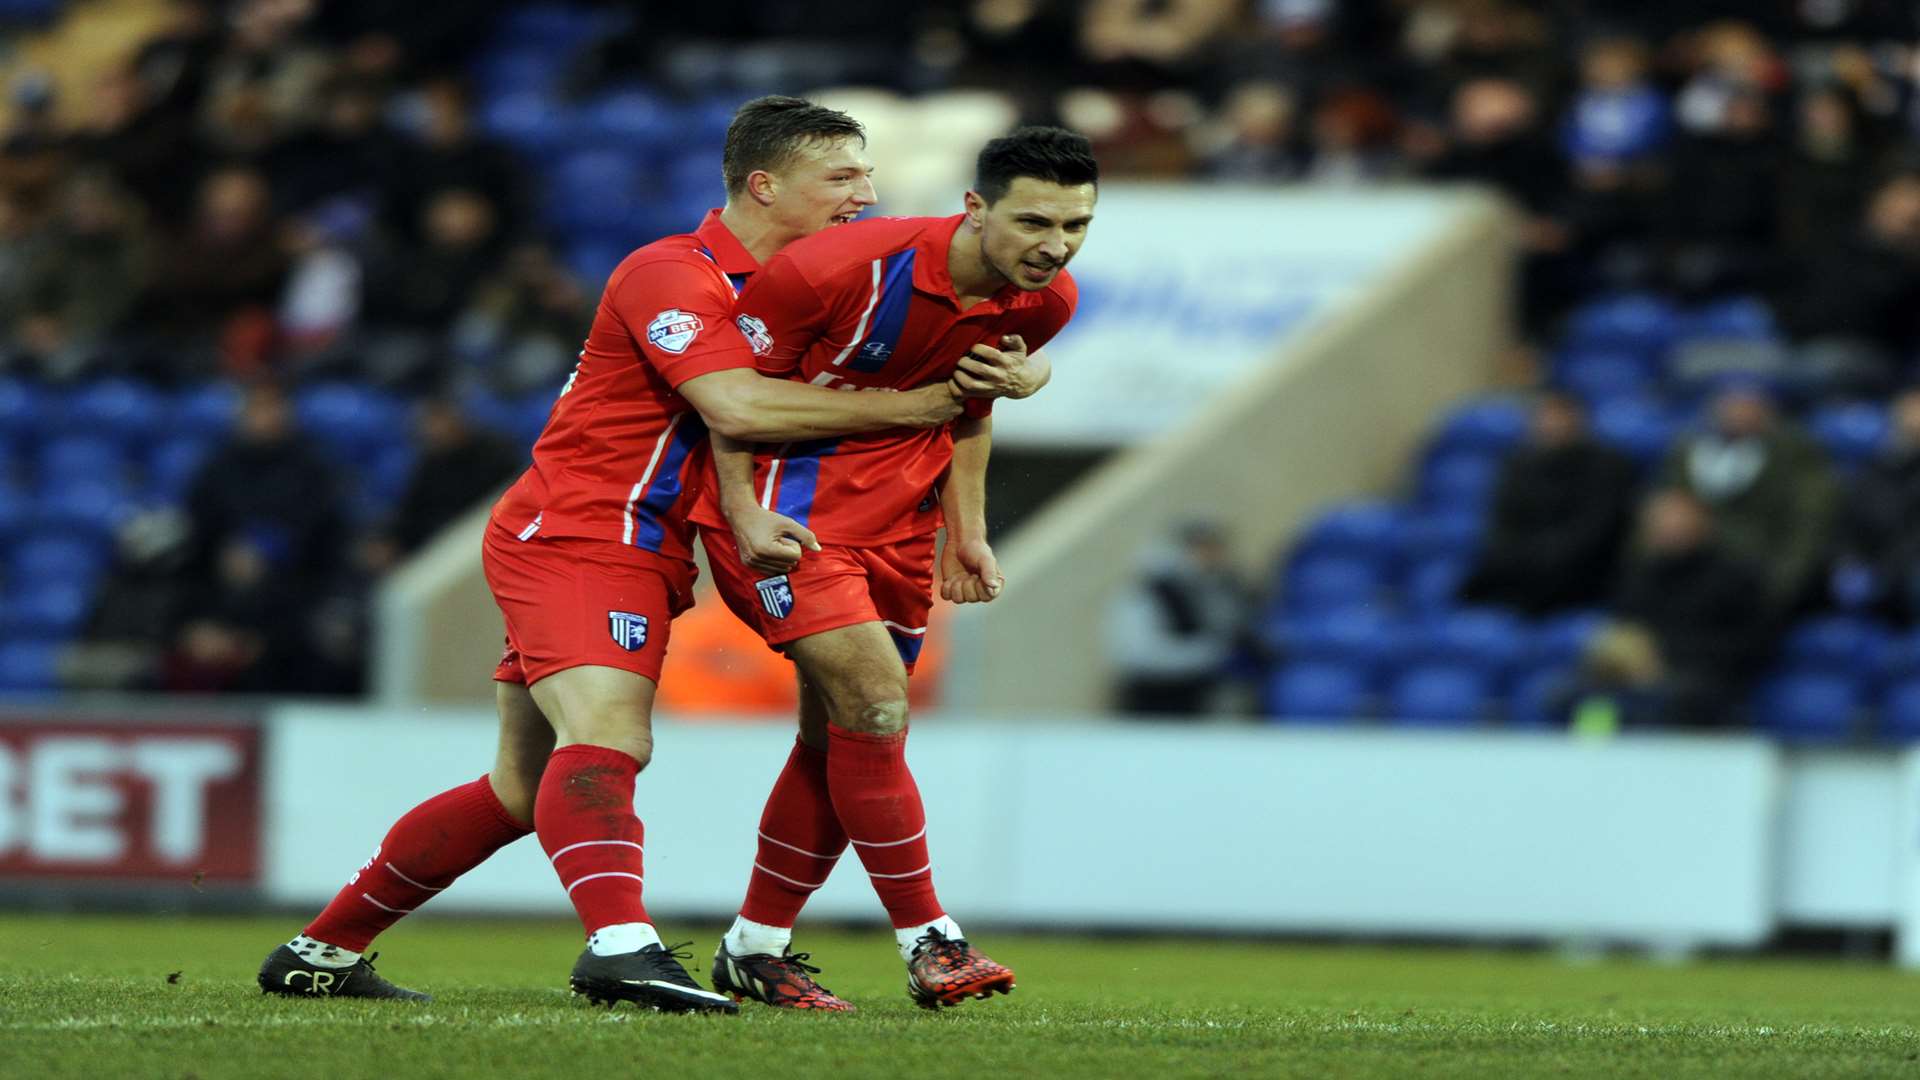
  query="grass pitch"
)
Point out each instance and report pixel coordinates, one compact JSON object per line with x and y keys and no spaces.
{"x":95,"y":997}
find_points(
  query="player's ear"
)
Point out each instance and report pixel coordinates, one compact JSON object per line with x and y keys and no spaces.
{"x":976,"y":210}
{"x":762,"y":187}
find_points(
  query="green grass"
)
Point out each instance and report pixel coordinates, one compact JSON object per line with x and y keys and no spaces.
{"x":90,"y":997}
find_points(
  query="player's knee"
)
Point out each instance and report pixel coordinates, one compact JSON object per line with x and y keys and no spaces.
{"x":882,"y":717}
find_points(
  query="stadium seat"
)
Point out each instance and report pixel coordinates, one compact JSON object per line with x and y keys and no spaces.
{"x":523,"y":70}
{"x":599,"y":189}
{"x":1354,"y":637}
{"x":17,"y":513}
{"x":1489,"y":640}
{"x":1602,"y":375}
{"x":592,"y":261}
{"x":54,"y":610}
{"x":1739,"y":318}
{"x":88,"y":507}
{"x":53,"y":557}
{"x":23,"y":408}
{"x":1840,"y":644}
{"x":172,"y":466}
{"x":1639,"y":427}
{"x":1535,"y":701}
{"x":531,"y":122}
{"x":1900,"y":712}
{"x":1442,"y":534}
{"x":1640,"y":322}
{"x":1367,"y":530}
{"x":350,"y":421}
{"x":1487,"y":426}
{"x":29,"y":665}
{"x":1853,"y":434}
{"x":78,"y":459}
{"x":554,"y":27}
{"x":1309,"y":691}
{"x":1432,"y":586}
{"x":634,"y":117}
{"x":1323,"y":583}
{"x":1809,"y":707}
{"x":1561,"y":640}
{"x":1902,"y":658}
{"x":121,"y":409}
{"x":1456,"y":481}
{"x":205,"y":412}
{"x":1438,"y":695}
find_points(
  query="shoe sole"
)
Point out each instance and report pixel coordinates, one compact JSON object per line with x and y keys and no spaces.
{"x":947,"y":999}
{"x":268,"y":988}
{"x":601,"y":992}
{"x":741,"y":997}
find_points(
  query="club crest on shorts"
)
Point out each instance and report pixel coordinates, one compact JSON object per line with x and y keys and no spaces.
{"x":673,"y":330}
{"x":629,"y":630}
{"x":756,"y":332}
{"x":776,"y":596}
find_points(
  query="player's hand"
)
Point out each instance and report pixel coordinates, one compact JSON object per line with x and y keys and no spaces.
{"x":1007,"y":371}
{"x":768,"y":542}
{"x":969,"y":574}
{"x":932,"y":405}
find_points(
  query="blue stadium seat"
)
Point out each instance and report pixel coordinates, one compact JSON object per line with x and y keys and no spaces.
{"x":53,"y":557}
{"x":1441,"y":534}
{"x":1851,"y":433}
{"x":517,"y":71}
{"x":80,"y":459}
{"x":87,"y":508}
{"x":1309,"y":692}
{"x":1642,"y":428}
{"x":1492,"y":641}
{"x":1739,"y":318}
{"x":1536,"y":700}
{"x":1602,"y":375}
{"x":1487,"y":426}
{"x":172,"y":466}
{"x":1641,"y":322}
{"x":1809,"y":707}
{"x":205,"y":412}
{"x":554,"y":27}
{"x":29,"y":665}
{"x":601,"y":189}
{"x":634,"y":117}
{"x":696,"y":175}
{"x":1456,"y":481}
{"x":1561,"y":640}
{"x":122,"y":409}
{"x":17,"y":514}
{"x":529,"y":415}
{"x":1902,"y":660}
{"x":592,"y":261}
{"x":532,"y":122}
{"x":1438,"y":695}
{"x":1840,"y":644}
{"x":1900,"y":712}
{"x":53,"y":610}
{"x":350,"y":421}
{"x":1432,"y":586}
{"x":24,"y":411}
{"x":1353,"y":637}
{"x":1368,"y":529}
{"x":1323,"y":583}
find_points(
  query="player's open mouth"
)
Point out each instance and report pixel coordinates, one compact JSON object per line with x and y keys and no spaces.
{"x":1037,"y":271}
{"x":843,"y":219}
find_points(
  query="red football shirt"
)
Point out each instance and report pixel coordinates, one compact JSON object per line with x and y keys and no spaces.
{"x":623,"y":454}
{"x":864,"y":306}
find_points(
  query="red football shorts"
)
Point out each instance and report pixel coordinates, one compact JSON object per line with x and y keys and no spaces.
{"x":571,"y":601}
{"x":831,"y":588}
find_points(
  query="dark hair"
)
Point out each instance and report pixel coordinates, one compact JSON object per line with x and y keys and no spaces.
{"x":767,"y":131}
{"x":1052,"y":154}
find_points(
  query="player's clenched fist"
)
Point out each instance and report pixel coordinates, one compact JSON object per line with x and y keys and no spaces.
{"x":969,"y":574}
{"x":769,"y":542}
{"x":1007,"y":371}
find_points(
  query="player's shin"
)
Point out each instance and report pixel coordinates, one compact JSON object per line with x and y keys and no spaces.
{"x":879,"y":805}
{"x":800,"y":840}
{"x":423,"y":853}
{"x":584,"y":815}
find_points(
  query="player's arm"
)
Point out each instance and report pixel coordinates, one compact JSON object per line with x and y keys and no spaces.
{"x":1009,"y":371}
{"x":969,"y":574}
{"x":741,"y":403}
{"x":767,"y":541}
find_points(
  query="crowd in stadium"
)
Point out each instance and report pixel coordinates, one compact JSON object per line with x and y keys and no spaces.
{"x":357,"y":210}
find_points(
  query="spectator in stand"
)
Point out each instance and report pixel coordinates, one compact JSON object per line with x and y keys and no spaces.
{"x":526,"y":323}
{"x":1618,"y":123}
{"x":266,"y":489}
{"x":86,"y":278}
{"x":1151,"y":44}
{"x":1723,"y":200}
{"x":458,"y":468}
{"x":348,"y":153}
{"x":139,"y":608}
{"x":244,"y":632}
{"x":1560,"y":514}
{"x":424,"y":287}
{"x":148,"y":149}
{"x":1254,"y":139}
{"x":1173,"y":634}
{"x":452,"y":156}
{"x":1769,"y":488}
{"x":1353,"y":134}
{"x":217,"y":281}
{"x":1880,"y":535}
{"x":1829,"y":172}
{"x":1862,"y":285}
{"x":1703,"y":605}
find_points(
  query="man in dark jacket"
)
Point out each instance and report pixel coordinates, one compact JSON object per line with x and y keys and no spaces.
{"x":1881,"y":532}
{"x":1559,"y":516}
{"x":1704,"y":607}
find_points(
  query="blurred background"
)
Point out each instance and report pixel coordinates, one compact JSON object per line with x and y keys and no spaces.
{"x":1479,"y":495}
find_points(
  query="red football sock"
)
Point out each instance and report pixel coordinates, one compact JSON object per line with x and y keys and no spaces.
{"x":430,"y":846}
{"x":800,"y":839}
{"x":584,"y":813}
{"x":879,"y":806}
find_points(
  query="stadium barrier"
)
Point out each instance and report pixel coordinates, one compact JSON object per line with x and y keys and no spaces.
{"x":1292,"y":359}
{"x":1672,"y":842}
{"x":1335,"y":411}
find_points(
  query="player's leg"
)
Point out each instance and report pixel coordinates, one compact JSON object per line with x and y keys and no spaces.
{"x":423,"y":853}
{"x":800,"y":840}
{"x":583,"y":812}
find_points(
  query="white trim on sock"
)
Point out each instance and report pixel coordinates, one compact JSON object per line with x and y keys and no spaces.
{"x":749,"y":938}
{"x":907,"y":936}
{"x":415,"y":884}
{"x":621,"y":938}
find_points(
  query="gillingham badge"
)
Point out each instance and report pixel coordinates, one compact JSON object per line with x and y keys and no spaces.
{"x":776,"y":596}
{"x":629,"y":630}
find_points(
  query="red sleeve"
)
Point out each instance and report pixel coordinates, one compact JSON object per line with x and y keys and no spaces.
{"x":781,"y":308}
{"x":680,"y":314}
{"x":1050,"y":318}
